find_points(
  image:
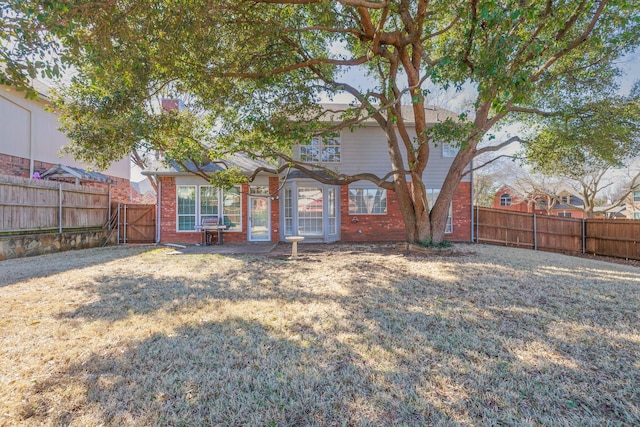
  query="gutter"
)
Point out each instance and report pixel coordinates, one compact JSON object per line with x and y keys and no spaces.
{"x":158,"y":209}
{"x":472,"y":196}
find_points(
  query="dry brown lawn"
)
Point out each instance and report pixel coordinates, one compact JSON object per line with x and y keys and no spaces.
{"x":350,"y":335}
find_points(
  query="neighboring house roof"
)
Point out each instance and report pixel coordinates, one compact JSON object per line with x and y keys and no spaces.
{"x":612,"y":211}
{"x":143,"y":186}
{"x":432,"y":114}
{"x":245,"y":164}
{"x":70,"y":172}
{"x":574,"y":201}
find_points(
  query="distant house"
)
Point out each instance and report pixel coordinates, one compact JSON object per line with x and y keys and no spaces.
{"x":30,"y":144}
{"x":273,"y":207}
{"x":562,"y":204}
{"x":632,"y":204}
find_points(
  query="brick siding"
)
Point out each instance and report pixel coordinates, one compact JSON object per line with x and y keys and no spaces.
{"x":354,"y":228}
{"x":168,"y":233}
{"x":390,"y":227}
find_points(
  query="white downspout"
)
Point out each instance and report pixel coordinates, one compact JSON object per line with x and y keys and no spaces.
{"x":158,"y":209}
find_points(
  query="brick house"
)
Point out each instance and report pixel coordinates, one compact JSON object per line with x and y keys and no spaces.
{"x":273,"y":207}
{"x":30,"y":143}
{"x":563,"y":204}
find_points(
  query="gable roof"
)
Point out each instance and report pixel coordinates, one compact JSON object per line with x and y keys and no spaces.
{"x":70,"y":172}
{"x":433,"y":114}
{"x":240,"y":161}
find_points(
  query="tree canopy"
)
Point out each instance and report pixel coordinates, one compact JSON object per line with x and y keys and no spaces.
{"x":255,"y":72}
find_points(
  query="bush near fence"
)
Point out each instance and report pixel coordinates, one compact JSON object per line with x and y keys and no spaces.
{"x":618,"y":238}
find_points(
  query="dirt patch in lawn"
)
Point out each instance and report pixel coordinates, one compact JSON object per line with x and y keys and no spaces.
{"x":346,"y":335}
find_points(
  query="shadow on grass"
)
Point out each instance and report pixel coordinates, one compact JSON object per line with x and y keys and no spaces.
{"x":477,"y":347}
{"x":231,"y":373}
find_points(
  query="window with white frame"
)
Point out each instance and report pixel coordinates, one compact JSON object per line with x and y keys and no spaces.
{"x":367,"y":201}
{"x":317,"y":149}
{"x":564,"y":214}
{"x":636,"y":196}
{"x":196,"y":202}
{"x":186,"y":207}
{"x":432,"y":196}
{"x":331,"y":150}
{"x":449,"y":150}
{"x":232,"y":208}
{"x":505,"y":200}
{"x":636,"y":215}
{"x":288,"y":212}
{"x":208,"y":202}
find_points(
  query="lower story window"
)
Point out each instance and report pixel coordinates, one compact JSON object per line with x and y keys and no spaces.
{"x":367,"y":201}
{"x":432,"y":196}
{"x":186,"y":207}
{"x":196,"y":202}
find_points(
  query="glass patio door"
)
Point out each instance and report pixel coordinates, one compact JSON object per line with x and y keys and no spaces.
{"x":259,"y":221}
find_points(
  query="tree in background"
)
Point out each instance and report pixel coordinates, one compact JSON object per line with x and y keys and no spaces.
{"x":586,"y":144}
{"x":256,"y":71}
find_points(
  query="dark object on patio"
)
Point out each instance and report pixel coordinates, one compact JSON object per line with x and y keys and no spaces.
{"x":209,"y":226}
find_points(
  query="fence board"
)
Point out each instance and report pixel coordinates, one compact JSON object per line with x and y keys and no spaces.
{"x":137,"y":223}
{"x":615,"y":237}
{"x":34,"y":205}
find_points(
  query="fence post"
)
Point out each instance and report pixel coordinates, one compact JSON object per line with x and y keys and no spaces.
{"x":477,"y":224}
{"x":584,"y":237}
{"x":60,"y":208}
{"x":109,"y":206}
{"x":535,"y":233}
{"x":118,"y":241}
{"x":125,"y":225}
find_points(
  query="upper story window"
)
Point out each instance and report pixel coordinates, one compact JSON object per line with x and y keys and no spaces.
{"x":636,"y":196}
{"x":636,"y":215}
{"x":565,"y":199}
{"x":318,"y":149}
{"x":449,"y":150}
{"x":505,"y":200}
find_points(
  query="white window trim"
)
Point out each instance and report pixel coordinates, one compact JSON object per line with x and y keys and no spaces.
{"x":449,"y":225}
{"x":198,"y":213}
{"x":633,"y":195}
{"x":449,"y":150}
{"x":504,"y":197}
{"x":321,"y":144}
{"x":386,"y":200}
{"x":178,"y":215}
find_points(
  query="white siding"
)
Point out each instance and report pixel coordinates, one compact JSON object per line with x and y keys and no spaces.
{"x":19,"y":117}
{"x":365,"y":150}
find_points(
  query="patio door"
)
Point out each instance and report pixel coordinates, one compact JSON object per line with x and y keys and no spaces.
{"x":259,"y":220}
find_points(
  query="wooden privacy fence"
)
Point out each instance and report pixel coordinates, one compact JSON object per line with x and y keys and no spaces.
{"x":618,"y":238}
{"x":28,"y":205}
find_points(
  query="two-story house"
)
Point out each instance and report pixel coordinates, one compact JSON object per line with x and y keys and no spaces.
{"x":30,"y":142}
{"x":560,"y":202}
{"x":273,"y":207}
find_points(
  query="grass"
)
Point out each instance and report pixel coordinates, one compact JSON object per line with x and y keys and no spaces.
{"x":350,"y":335}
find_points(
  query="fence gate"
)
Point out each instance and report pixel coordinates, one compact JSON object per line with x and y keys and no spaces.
{"x":134,"y":223}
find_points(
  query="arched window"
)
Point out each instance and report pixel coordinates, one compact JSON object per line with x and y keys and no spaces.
{"x":505,"y":200}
